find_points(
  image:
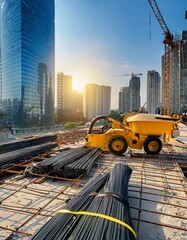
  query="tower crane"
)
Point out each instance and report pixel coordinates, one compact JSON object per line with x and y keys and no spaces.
{"x":169,"y":45}
{"x":132,"y":75}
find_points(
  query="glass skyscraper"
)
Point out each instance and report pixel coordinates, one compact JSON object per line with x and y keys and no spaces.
{"x":27,"y":62}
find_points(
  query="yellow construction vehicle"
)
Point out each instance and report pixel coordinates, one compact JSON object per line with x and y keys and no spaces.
{"x":146,"y":131}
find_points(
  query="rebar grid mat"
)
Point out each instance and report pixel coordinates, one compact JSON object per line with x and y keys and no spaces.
{"x":157,"y":196}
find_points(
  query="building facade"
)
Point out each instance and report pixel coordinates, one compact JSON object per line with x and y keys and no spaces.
{"x":64,"y":96}
{"x":153,"y":91}
{"x":96,"y":101}
{"x":69,"y":102}
{"x":124,"y":104}
{"x":178,"y":75}
{"x":134,"y":93}
{"x":64,"y":91}
{"x":27,"y":62}
{"x":105,"y":98}
{"x":77,"y":106}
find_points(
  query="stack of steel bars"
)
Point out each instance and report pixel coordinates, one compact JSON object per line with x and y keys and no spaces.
{"x":111,"y":201}
{"x":70,"y":163}
{"x":24,"y":143}
{"x":14,"y":156}
{"x":81,"y":165}
{"x":59,"y":161}
{"x":61,"y":225}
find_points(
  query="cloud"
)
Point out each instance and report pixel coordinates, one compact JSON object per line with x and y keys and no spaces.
{"x":126,"y":64}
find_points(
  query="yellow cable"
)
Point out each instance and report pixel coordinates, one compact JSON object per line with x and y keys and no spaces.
{"x":100,"y":216}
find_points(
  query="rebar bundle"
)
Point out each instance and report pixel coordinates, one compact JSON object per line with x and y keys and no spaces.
{"x":61,"y":225}
{"x":23,"y":143}
{"x":11,"y":157}
{"x":113,"y":202}
{"x":59,"y":161}
{"x":102,"y":212}
{"x":70,"y":163}
{"x":81,"y":165}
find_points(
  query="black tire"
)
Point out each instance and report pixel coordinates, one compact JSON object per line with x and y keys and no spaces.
{"x":118,"y":145}
{"x":152,"y":145}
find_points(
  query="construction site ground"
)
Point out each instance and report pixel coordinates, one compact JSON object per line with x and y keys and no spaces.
{"x":157,"y":190}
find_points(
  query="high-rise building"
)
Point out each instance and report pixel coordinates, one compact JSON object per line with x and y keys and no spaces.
{"x":183,"y":35}
{"x":162,"y":83}
{"x":64,"y":91}
{"x":105,"y":99}
{"x":153,"y":91}
{"x":178,"y":75}
{"x":124,"y":104}
{"x":69,"y":102}
{"x":129,"y":97}
{"x":27,"y":62}
{"x":77,"y":105}
{"x":97,"y":100}
{"x":64,"y":96}
{"x":134,"y":93}
{"x":0,"y":62}
{"x":90,"y":99}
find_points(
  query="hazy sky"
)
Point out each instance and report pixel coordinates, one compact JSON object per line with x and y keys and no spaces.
{"x":99,"y":38}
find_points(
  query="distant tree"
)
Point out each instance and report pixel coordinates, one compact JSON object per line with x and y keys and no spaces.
{"x":116,"y":114}
{"x":135,"y":110}
{"x":68,"y":115}
{"x":70,"y":125}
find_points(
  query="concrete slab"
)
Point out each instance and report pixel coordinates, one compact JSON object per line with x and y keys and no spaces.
{"x":157,"y":196}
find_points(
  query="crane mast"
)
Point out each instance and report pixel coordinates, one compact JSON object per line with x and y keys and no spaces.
{"x":169,"y":44}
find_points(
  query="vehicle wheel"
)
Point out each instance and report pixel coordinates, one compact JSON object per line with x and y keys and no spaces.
{"x":152,"y":145}
{"x":117,"y":145}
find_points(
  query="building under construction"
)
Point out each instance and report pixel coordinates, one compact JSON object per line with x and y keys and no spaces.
{"x":174,"y":67}
{"x":178,"y":75}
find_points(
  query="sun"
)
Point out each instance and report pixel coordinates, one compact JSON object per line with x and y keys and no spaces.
{"x":78,"y":85}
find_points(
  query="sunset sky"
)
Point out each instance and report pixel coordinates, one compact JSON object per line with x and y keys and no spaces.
{"x":99,"y":38}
